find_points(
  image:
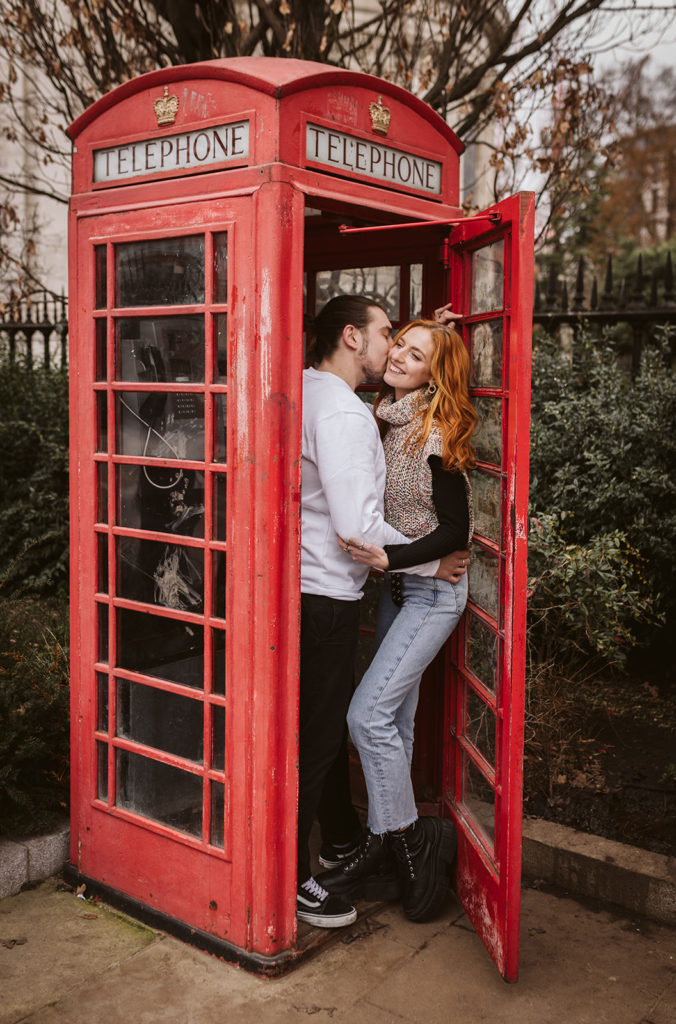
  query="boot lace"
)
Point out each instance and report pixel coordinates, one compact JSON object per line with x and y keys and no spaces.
{"x":361,"y":851}
{"x":403,"y":854}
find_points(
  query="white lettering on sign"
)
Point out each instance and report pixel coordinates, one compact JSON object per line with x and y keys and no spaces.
{"x":361,"y":156}
{"x":192,"y":150}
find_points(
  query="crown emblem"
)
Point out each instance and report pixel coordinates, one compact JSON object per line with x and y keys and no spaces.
{"x":380,"y":117}
{"x":166,"y":108}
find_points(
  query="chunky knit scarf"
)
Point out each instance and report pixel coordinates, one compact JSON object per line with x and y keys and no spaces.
{"x":409,"y":506}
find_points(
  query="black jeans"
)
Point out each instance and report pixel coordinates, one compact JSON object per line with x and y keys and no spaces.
{"x":329,"y":632}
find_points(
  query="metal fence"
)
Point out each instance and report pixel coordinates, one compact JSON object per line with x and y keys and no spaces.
{"x":35,"y":330}
{"x":640,"y":305}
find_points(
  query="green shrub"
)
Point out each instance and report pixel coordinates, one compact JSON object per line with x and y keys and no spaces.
{"x":33,"y":476}
{"x":584,"y":599}
{"x":603,"y":469}
{"x":34,"y":715}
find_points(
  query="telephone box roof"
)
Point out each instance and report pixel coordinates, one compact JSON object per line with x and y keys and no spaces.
{"x":275,"y":76}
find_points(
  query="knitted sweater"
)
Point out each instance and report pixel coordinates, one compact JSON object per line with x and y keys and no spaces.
{"x":423,"y":501}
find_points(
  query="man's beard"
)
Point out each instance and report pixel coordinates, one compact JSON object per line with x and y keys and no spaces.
{"x":372,"y":376}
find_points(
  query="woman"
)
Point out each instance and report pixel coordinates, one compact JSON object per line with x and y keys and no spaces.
{"x":426,"y":419}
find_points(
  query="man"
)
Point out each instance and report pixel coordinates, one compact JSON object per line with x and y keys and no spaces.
{"x":342,"y":494}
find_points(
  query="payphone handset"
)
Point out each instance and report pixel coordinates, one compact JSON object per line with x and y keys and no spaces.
{"x":163,"y":424}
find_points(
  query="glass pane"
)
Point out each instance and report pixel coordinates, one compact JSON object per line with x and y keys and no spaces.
{"x":218,"y":738}
{"x":479,"y":799}
{"x":161,"y":272}
{"x":416,"y":282}
{"x":162,"y":500}
{"x":488,"y":271}
{"x":221,"y":348}
{"x":486,"y":502}
{"x":483,"y":580}
{"x":379,"y":283}
{"x":102,"y":568}
{"x":102,"y":488}
{"x":101,"y":421}
{"x":488,"y":435}
{"x":101,"y":770}
{"x":486,"y":354}
{"x":102,"y":622}
{"x":161,"y":425}
{"x":480,"y":725}
{"x":162,"y":720}
{"x":164,"y":348}
{"x":160,"y":792}
{"x":101,"y":702}
{"x":221,"y":267}
{"x":220,"y":482}
{"x":219,"y":584}
{"x":101,"y":264}
{"x":101,"y":350}
{"x":482,"y":651}
{"x":217,"y":814}
{"x":166,"y":648}
{"x":218,"y":672}
{"x":169,"y":575}
{"x":220,"y":428}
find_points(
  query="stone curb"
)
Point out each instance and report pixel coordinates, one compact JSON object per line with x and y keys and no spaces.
{"x":585,"y":865}
{"x":31,"y":860}
{"x":635,"y":880}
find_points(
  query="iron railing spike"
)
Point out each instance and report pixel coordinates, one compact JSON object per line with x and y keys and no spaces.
{"x":637,"y":293}
{"x":578,"y":297}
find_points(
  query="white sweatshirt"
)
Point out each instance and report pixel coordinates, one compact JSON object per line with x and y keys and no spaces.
{"x":342,"y":487}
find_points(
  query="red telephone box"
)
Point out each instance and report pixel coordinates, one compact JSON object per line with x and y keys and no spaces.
{"x":212,"y":204}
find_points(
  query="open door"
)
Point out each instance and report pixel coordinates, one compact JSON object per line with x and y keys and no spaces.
{"x":484,"y":266}
{"x":492,"y":284}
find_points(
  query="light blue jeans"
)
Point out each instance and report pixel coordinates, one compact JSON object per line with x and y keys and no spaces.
{"x":382,"y":711}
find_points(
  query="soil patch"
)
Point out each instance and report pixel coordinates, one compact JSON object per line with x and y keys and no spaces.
{"x":616,"y":776}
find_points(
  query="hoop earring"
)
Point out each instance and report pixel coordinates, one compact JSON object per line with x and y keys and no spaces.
{"x":431,"y":390}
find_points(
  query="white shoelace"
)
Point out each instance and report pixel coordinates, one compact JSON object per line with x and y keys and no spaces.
{"x":313,"y":887}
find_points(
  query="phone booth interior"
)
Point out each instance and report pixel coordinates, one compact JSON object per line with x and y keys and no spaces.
{"x":213,"y":206}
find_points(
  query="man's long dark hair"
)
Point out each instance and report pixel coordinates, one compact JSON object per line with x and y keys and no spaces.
{"x":330,"y":322}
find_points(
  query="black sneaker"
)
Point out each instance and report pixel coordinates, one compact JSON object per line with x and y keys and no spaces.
{"x":318,"y":907}
{"x":334,"y":855}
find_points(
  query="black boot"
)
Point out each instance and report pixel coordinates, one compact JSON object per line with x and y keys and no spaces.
{"x":425,"y":852}
{"x":370,"y":875}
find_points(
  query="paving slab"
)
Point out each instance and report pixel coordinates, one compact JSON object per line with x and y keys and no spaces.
{"x":578,"y":966}
{"x":51,"y":943}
